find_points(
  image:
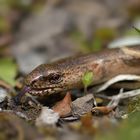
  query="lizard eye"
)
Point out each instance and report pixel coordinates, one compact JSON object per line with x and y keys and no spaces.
{"x":54,"y":78}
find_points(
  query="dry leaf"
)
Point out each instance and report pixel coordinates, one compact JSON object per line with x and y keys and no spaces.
{"x":82,"y":105}
{"x":63,"y":107}
{"x":87,"y":123}
{"x":102,"y":110}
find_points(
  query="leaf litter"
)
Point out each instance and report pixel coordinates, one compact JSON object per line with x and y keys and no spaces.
{"x":77,"y":115}
{"x":77,"y":118}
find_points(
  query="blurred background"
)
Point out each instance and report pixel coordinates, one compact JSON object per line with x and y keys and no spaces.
{"x":33,"y":32}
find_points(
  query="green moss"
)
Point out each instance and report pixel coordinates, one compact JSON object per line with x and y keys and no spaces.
{"x":8,"y":70}
{"x":134,"y":104}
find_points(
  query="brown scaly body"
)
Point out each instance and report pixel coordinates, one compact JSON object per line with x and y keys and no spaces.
{"x":67,"y":73}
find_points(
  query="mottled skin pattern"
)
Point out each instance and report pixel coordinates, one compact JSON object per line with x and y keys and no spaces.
{"x":67,"y":73}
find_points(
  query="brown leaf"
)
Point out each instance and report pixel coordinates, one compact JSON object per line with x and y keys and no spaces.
{"x":87,"y":123}
{"x":82,"y":105}
{"x":102,"y":110}
{"x":63,"y":107}
{"x":87,"y":120}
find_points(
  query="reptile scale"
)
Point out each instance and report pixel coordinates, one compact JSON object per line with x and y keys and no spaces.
{"x":67,"y":73}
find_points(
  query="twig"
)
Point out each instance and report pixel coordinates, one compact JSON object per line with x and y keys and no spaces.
{"x":116,"y":99}
{"x":116,"y":79}
{"x":124,"y":95}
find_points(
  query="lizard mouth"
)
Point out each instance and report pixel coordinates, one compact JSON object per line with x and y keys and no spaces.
{"x":36,"y":92}
{"x":43,"y":91}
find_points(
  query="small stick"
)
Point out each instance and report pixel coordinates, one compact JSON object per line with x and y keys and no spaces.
{"x":124,"y":95}
{"x":116,"y":99}
{"x":116,"y":79}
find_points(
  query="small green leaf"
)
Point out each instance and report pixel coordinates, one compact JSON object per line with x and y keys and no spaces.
{"x":87,"y":79}
{"x":8,"y":70}
{"x":138,"y":30}
{"x":132,"y":32}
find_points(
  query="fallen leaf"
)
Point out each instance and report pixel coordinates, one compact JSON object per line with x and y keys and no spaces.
{"x":102,"y":110}
{"x":82,"y":105}
{"x":47,"y":117}
{"x":63,"y":107}
{"x":87,"y":123}
{"x":86,"y":120}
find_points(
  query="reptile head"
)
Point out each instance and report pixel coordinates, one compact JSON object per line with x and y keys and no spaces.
{"x":47,"y":79}
{"x":44,"y":79}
